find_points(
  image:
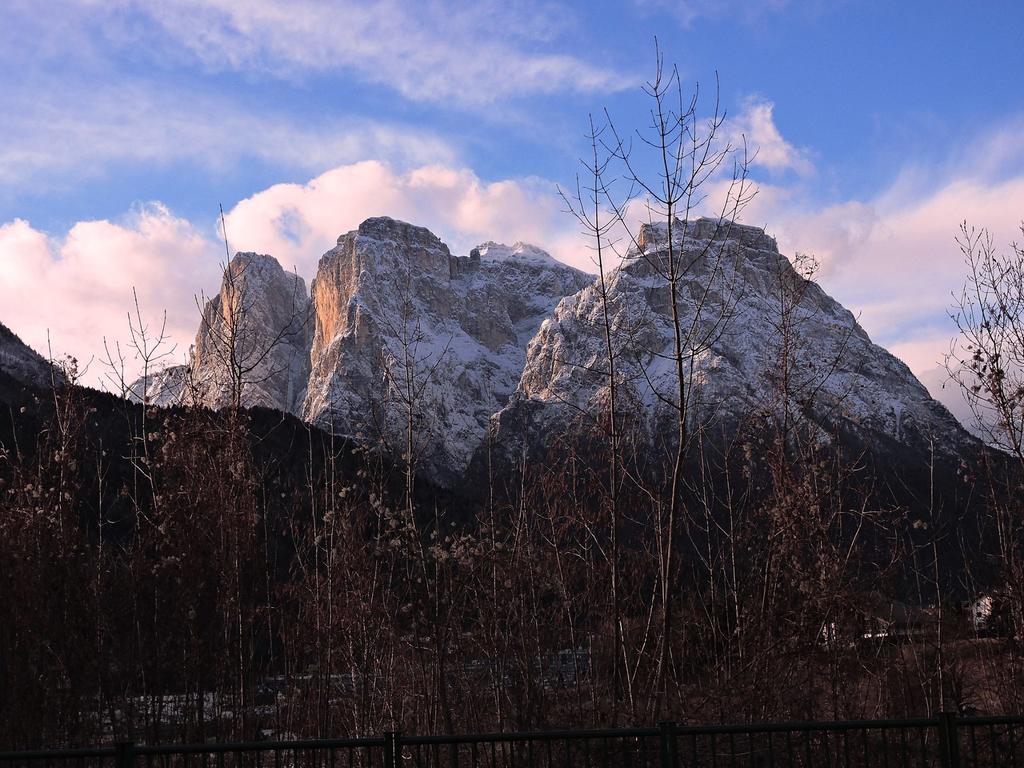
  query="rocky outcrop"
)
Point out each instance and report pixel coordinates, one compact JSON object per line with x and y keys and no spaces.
{"x":253,"y":341}
{"x":732,"y":295}
{"x":254,"y":337}
{"x":403,"y":325}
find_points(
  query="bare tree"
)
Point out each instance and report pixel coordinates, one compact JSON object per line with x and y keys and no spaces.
{"x":148,"y":349}
{"x":986,"y":359}
{"x":411,"y":360}
{"x":588,"y":204}
{"x":689,"y":156}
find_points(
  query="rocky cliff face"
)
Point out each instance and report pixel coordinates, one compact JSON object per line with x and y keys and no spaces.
{"x":22,"y":363}
{"x":253,"y":339}
{"x":402,"y":326}
{"x":765,"y":342}
{"x":396,"y":324}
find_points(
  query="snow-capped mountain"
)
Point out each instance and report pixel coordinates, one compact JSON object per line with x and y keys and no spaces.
{"x":395,"y":323}
{"x":22,"y":363}
{"x":403,"y":325}
{"x":400,"y":337}
{"x":739,"y":299}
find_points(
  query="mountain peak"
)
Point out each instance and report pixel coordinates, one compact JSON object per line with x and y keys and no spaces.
{"x":264,"y":311}
{"x":391,"y":299}
{"x":250,"y":259}
{"x":705,"y":229}
{"x":381,"y":244}
{"x":511,"y":333}
{"x":518,"y":250}
{"x":386,"y":228}
{"x":729,"y":302}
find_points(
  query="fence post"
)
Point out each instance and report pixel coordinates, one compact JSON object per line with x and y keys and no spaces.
{"x":392,"y":749}
{"x":667,"y":734}
{"x":124,"y":754}
{"x":949,"y":743}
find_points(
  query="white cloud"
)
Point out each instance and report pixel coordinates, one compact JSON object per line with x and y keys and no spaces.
{"x":48,"y":135}
{"x":298,"y":222}
{"x":56,"y":126}
{"x":689,"y":11}
{"x":462,"y":53}
{"x":898,"y":262}
{"x":755,"y":124}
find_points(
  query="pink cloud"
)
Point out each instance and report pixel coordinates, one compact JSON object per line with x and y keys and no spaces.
{"x":73,"y":291}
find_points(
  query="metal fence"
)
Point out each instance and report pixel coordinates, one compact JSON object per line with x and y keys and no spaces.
{"x":945,"y":741}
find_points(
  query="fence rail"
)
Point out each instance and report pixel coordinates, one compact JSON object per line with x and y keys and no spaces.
{"x":946,"y":741}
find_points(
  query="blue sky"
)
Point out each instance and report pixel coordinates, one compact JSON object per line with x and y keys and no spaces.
{"x":881,"y":126}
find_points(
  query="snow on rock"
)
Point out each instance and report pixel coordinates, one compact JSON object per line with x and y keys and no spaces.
{"x":254,"y":339}
{"x":518,"y":251}
{"x":403,"y":325}
{"x":164,"y":388}
{"x":736,"y":277}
